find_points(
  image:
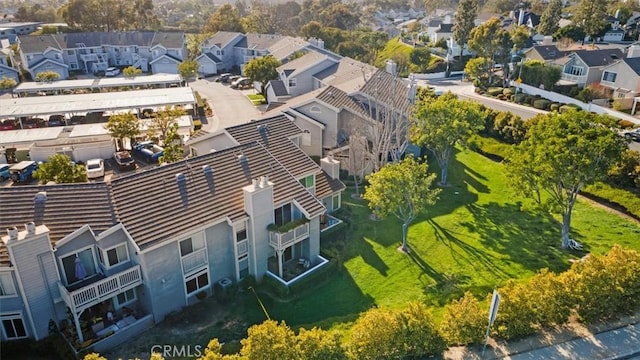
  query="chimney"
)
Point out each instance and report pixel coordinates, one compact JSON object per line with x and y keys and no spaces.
{"x":634,"y":51}
{"x":30,"y":227}
{"x":521,"y":17}
{"x":256,"y":183}
{"x":391,"y":67}
{"x":547,"y":40}
{"x":13,"y":233}
{"x":264,"y":181}
{"x":331,"y":166}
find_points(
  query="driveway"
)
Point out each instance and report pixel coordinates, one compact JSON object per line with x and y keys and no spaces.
{"x":230,"y":107}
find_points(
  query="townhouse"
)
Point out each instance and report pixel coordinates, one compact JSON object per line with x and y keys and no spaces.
{"x":90,"y":52}
{"x":106,"y":261}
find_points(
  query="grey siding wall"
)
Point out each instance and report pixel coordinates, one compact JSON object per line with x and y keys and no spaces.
{"x":314,"y":237}
{"x":315,"y":149}
{"x":327,"y":117}
{"x":220,"y":243}
{"x":33,"y":260}
{"x":163,"y":280}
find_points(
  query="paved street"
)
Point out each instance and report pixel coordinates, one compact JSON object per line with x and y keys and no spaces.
{"x":230,"y":107}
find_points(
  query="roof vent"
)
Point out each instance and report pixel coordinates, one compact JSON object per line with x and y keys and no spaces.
{"x":242,"y":158}
{"x":13,"y":233}
{"x":31,"y":228}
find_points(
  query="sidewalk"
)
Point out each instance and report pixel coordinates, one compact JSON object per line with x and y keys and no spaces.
{"x":619,"y":339}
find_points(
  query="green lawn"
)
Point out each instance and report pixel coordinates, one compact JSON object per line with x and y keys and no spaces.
{"x":475,"y":238}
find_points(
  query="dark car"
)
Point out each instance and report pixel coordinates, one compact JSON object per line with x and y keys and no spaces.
{"x":223,"y":78}
{"x":633,"y":134}
{"x":124,"y":160}
{"x":56,"y":120}
{"x":33,"y":123}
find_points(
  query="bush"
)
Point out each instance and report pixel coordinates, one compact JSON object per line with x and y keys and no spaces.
{"x":542,"y":104}
{"x":554,"y":107}
{"x":500,"y":97}
{"x":510,"y":128}
{"x":494,"y":91}
{"x":626,"y":124}
{"x":519,"y":98}
{"x":508,"y":91}
{"x":464,"y":321}
{"x":516,"y":317}
{"x":567,"y":107}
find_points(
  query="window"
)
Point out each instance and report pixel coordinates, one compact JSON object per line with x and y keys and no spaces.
{"x":241,"y":231}
{"x":198,"y":281}
{"x":70,"y":52}
{"x":308,"y":181}
{"x":125,"y":298}
{"x":72,"y":267}
{"x":117,"y":255}
{"x":292,"y":82}
{"x":335,"y":202}
{"x":13,"y":326}
{"x":282,"y":214}
{"x":576,"y":70}
{"x":191,"y":244}
{"x":6,"y":285}
{"x":609,"y":76}
{"x":243,"y":266}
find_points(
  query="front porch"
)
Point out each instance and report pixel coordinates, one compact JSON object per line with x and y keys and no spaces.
{"x":294,"y":270}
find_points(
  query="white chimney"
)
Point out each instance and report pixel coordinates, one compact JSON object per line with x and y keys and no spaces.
{"x":255,"y":182}
{"x":521,"y":17}
{"x":264,"y":181}
{"x":634,"y":51}
{"x":31,"y":228}
{"x":331,"y":166}
{"x":13,"y":233}
{"x":547,"y":40}
{"x":391,"y":67}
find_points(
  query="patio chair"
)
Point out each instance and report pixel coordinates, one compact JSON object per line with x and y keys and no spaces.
{"x":574,"y":245}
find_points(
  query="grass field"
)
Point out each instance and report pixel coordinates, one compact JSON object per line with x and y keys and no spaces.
{"x":475,"y":238}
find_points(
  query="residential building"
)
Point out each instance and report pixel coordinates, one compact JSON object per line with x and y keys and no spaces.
{"x":583,"y":67}
{"x":546,"y":53}
{"x":623,"y":78}
{"x":157,"y":52}
{"x":104,"y":268}
{"x":6,"y":70}
{"x":11,"y":30}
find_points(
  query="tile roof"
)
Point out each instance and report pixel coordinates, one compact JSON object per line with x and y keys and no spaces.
{"x":348,"y":74}
{"x":445,"y":28}
{"x":388,"y":90}
{"x":302,"y":63}
{"x":341,"y":100}
{"x":599,"y":57}
{"x":278,"y":87}
{"x":145,"y":200}
{"x":261,"y":41}
{"x":221,"y":38}
{"x":549,"y":52}
{"x":67,"y":208}
{"x":274,"y":134}
{"x":287,"y":46}
{"x":326,"y":186}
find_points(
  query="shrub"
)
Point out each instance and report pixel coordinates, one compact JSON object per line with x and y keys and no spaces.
{"x":500,"y":97}
{"x":510,"y":128}
{"x":626,"y":124}
{"x":542,"y":104}
{"x":554,"y":107}
{"x":508,"y":91}
{"x":516,"y":317}
{"x":511,"y":98}
{"x":519,"y":98}
{"x":464,"y":321}
{"x":567,"y":107}
{"x":494,"y":91}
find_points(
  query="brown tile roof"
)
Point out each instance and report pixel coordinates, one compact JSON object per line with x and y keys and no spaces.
{"x":154,"y":206}
{"x":274,"y":133}
{"x":67,"y":208}
{"x":326,"y":186}
{"x":388,"y":90}
{"x":341,"y":100}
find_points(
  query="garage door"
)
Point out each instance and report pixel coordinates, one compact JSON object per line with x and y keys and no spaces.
{"x":165,"y":66}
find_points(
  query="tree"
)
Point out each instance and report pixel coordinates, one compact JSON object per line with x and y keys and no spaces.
{"x":164,"y":119}
{"x":561,"y":154}
{"x":225,"y":18}
{"x":262,"y":69}
{"x":570,"y":31}
{"x":591,"y":16}
{"x":131,"y":72}
{"x":536,"y":73}
{"x":466,"y":14}
{"x":188,"y":69}
{"x":443,"y":123}
{"x":550,"y":18}
{"x":7,"y":83}
{"x":269,"y":341}
{"x":478,"y":70}
{"x":420,"y":57}
{"x":172,"y":146}
{"x":121,"y":127}
{"x":491,"y":41}
{"x":402,"y":189}
{"x":47,"y":76}
{"x":109,"y":15}
{"x":318,"y":344}
{"x":60,"y":169}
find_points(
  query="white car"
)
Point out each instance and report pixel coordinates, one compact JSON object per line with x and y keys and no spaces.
{"x":95,"y":168}
{"x":111,"y":72}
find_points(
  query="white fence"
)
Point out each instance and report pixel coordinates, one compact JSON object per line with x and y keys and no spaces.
{"x":432,"y":76}
{"x":549,"y":95}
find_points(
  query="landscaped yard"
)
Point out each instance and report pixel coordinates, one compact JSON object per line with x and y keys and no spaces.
{"x":475,"y":238}
{"x":257,"y":99}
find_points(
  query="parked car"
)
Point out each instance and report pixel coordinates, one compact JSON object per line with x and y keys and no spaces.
{"x":223,"y":78}
{"x":95,"y":168}
{"x":149,"y":151}
{"x":22,"y":172}
{"x":111,"y":72}
{"x":124,"y":160}
{"x":233,"y":78}
{"x":8,"y":124}
{"x":633,"y":134}
{"x":242,"y":83}
{"x":56,"y":120}
{"x":33,"y":123}
{"x":4,"y":172}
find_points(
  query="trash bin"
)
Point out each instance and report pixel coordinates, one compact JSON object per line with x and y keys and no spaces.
{"x":222,"y":289}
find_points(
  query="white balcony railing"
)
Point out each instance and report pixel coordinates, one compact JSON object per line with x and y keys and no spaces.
{"x":578,"y":79}
{"x":194,"y":260}
{"x":284,"y":240}
{"x":101,"y":290}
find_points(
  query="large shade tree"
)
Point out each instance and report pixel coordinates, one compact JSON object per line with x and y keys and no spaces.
{"x":466,"y":14}
{"x":560,"y":156}
{"x":591,"y":16}
{"x":442,"y":123}
{"x":225,"y":18}
{"x":121,"y":127}
{"x":402,"y":189}
{"x":550,"y":18}
{"x":60,"y":169}
{"x":262,"y":69}
{"x":163,"y":119}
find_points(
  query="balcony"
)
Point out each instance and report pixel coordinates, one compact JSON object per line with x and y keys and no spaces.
{"x":194,"y":260}
{"x":578,"y":79}
{"x":281,"y":241}
{"x":101,"y":290}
